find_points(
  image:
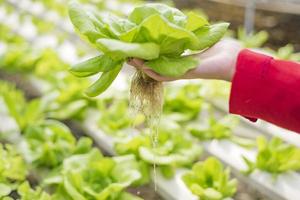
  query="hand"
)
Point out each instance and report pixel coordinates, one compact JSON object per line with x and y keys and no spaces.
{"x":217,"y":62}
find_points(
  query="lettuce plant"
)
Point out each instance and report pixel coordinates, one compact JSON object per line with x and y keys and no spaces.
{"x":63,"y":103}
{"x":25,"y":59}
{"x":218,"y":129}
{"x":286,"y":52}
{"x":48,"y":143}
{"x":275,"y":157}
{"x":66,"y":100}
{"x":12,"y":170}
{"x":115,"y":116}
{"x":214,"y":130}
{"x":27,"y":193}
{"x":210,"y":181}
{"x":156,"y":33}
{"x":8,"y":36}
{"x":173,"y":150}
{"x":185,"y":101}
{"x":91,"y":176}
{"x":253,"y":40}
{"x":24,"y":112}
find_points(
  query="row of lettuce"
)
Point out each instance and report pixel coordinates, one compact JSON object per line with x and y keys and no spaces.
{"x":58,"y":166}
{"x":45,"y":161}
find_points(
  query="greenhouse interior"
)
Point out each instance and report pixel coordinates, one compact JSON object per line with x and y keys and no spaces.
{"x":197,"y":99}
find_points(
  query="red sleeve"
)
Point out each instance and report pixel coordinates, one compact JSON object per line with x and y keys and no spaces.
{"x":267,"y":89}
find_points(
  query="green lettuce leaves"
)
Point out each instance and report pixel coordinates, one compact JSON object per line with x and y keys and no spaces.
{"x":24,"y":112}
{"x":153,"y":32}
{"x":115,"y":116}
{"x":27,"y":193}
{"x":275,"y":157}
{"x":172,"y":66}
{"x":12,"y":170}
{"x":173,"y":150}
{"x":92,"y":176}
{"x":184,"y":101}
{"x":47,"y":144}
{"x":120,"y":50}
{"x":210,"y":181}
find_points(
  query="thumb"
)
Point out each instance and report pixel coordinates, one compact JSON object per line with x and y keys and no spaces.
{"x":137,"y":63}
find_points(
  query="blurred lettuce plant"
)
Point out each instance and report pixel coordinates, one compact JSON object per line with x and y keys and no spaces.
{"x":24,"y":112}
{"x":48,"y":143}
{"x":219,"y":129}
{"x":173,"y":149}
{"x":275,"y":157}
{"x":286,"y":53}
{"x":253,"y":40}
{"x":115,"y":116}
{"x":210,"y":181}
{"x":13,"y":170}
{"x":185,"y":101}
{"x":27,"y":193}
{"x":92,"y":176}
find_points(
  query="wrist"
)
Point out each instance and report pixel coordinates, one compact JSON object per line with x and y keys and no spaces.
{"x":232,"y":64}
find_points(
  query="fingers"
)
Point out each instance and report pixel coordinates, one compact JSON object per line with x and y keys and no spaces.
{"x":156,"y":76}
{"x":140,"y":65}
{"x":215,"y":67}
{"x":226,"y":44}
{"x":137,"y":63}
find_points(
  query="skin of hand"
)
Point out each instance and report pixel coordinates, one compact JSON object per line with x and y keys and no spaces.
{"x":217,"y":62}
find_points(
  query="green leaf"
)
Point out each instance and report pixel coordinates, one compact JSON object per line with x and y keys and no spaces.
{"x":4,"y":190}
{"x":102,"y":63}
{"x":84,"y":145}
{"x":244,"y":142}
{"x":197,"y":189}
{"x":83,"y":22}
{"x":253,"y":40}
{"x":93,"y":176}
{"x":23,"y":112}
{"x":115,"y":116}
{"x":103,"y":82}
{"x":48,"y":143}
{"x":121,"y":50}
{"x":173,"y":40}
{"x":173,"y":150}
{"x":212,"y":194}
{"x":185,"y":101}
{"x":127,"y":170}
{"x":130,"y":35}
{"x":27,"y":193}
{"x":114,"y":24}
{"x":167,"y":171}
{"x":195,"y":21}
{"x":250,"y":164}
{"x":209,"y":35}
{"x":71,"y":190}
{"x":261,"y":143}
{"x":275,"y":157}
{"x":182,"y":157}
{"x":173,"y":15}
{"x":172,"y":67}
{"x":12,"y":166}
{"x":208,"y":180}
{"x":128,"y":196}
{"x":69,"y":110}
{"x":132,"y":146}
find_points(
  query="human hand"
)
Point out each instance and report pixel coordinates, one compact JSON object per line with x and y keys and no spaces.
{"x":217,"y":62}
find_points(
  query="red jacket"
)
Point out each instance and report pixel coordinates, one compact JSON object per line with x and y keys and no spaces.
{"x":267,"y":89}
